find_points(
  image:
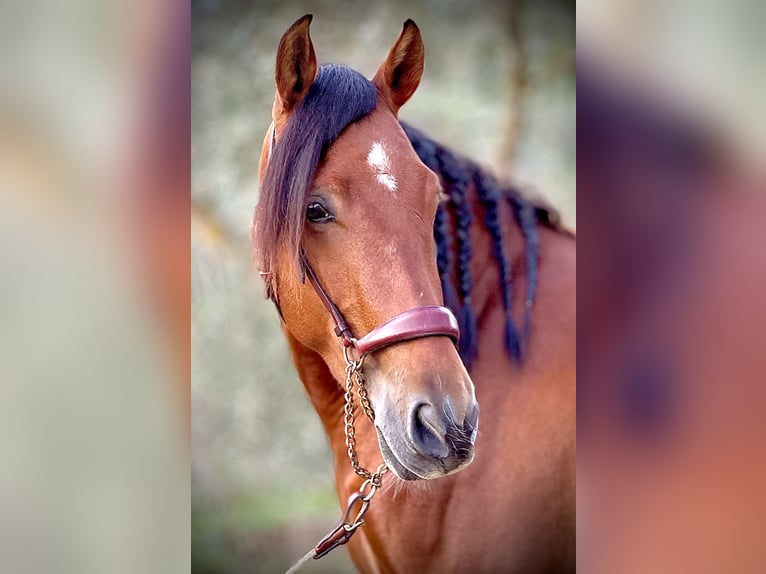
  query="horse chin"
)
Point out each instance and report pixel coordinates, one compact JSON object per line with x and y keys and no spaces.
{"x":392,"y":462}
{"x":397,"y":466}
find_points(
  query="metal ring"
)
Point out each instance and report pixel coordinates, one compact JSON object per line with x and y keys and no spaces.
{"x":373,"y":489}
{"x":349,"y":361}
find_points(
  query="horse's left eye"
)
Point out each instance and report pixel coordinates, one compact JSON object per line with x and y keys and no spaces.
{"x":316,"y":213}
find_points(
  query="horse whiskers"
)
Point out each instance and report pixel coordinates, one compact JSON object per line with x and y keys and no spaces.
{"x":396,"y":487}
{"x":458,"y":433}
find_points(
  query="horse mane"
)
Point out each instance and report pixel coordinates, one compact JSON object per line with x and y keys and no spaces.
{"x":338,"y":97}
{"x":452,"y":226}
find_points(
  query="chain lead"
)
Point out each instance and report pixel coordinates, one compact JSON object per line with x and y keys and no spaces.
{"x":354,"y":375}
{"x":343,"y":532}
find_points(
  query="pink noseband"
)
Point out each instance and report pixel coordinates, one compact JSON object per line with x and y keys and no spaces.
{"x":412,"y":324}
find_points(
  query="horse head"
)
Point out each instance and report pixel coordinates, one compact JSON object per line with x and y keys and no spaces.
{"x":343,"y":188}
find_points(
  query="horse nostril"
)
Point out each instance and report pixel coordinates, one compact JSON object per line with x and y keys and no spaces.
{"x":428,"y":431}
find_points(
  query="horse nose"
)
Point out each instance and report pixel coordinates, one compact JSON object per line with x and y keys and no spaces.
{"x":436,"y":433}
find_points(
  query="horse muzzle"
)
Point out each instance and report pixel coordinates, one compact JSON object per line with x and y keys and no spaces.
{"x":432,"y":442}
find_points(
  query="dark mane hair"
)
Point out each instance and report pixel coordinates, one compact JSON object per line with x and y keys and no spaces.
{"x":460,"y":177}
{"x":338,"y":97}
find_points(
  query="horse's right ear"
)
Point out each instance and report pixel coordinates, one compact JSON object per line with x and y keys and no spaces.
{"x":399,"y":76}
{"x":296,"y":64}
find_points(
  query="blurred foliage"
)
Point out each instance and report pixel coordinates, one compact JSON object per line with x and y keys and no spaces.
{"x":706,"y":55}
{"x":93,"y":440}
{"x":262,"y":470}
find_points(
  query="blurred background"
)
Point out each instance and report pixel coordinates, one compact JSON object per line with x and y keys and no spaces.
{"x":94,"y":286}
{"x":671,"y":146}
{"x":704,"y":55}
{"x":499,"y":86}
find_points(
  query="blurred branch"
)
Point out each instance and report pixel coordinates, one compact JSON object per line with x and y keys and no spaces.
{"x":213,"y":231}
{"x":509,"y":143}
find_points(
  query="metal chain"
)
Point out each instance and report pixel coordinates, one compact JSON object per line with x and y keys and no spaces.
{"x":354,"y":375}
{"x":343,"y":532}
{"x":363,"y":398}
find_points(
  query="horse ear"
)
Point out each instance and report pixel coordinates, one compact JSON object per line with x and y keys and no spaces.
{"x":399,"y":76}
{"x":296,"y":64}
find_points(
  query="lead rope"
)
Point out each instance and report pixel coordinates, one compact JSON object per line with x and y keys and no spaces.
{"x":346,"y":528}
{"x":297,"y":566}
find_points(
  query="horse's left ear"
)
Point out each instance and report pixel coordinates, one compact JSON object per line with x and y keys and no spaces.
{"x":399,"y":76}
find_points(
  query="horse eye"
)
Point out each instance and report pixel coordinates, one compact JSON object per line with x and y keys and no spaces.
{"x":316,"y":213}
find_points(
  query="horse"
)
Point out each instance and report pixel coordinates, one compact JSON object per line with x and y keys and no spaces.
{"x":671,"y":363}
{"x":432,"y":290}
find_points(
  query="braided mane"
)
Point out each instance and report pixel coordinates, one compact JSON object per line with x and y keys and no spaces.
{"x":453,"y":242}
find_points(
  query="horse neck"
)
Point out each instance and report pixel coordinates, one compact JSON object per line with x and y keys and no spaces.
{"x":322,"y":388}
{"x":327,"y":397}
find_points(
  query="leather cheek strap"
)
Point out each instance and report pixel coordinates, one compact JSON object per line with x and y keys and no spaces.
{"x":342,"y":329}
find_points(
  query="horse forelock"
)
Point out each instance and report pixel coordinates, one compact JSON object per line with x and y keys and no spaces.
{"x":338,"y":97}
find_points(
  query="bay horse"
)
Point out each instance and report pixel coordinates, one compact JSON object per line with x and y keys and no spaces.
{"x":366,"y":226}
